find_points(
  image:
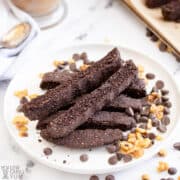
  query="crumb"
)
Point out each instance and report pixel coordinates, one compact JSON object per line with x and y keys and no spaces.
{"x":145,"y":177}
{"x":162,"y":153}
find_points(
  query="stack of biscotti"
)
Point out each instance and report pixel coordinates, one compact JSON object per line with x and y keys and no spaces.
{"x":170,"y":8}
{"x":89,"y":108}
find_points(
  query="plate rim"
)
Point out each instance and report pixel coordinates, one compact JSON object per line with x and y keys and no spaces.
{"x":111,"y":169}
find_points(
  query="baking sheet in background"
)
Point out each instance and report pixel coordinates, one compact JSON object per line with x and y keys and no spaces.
{"x":168,"y":32}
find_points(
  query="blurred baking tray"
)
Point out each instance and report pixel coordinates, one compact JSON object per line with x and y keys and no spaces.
{"x":168,"y":32}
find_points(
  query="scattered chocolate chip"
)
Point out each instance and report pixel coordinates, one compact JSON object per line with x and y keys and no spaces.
{"x":166,"y":110}
{"x":113,"y":160}
{"x":119,"y":156}
{"x":111,"y":148}
{"x":154,"y":38}
{"x":23,"y":100}
{"x":170,"y":179}
{"x":60,"y":67}
{"x":150,"y":76}
{"x":165,"y":120}
{"x":158,"y":101}
{"x":172,"y":170}
{"x":39,"y":140}
{"x":163,"y":179}
{"x":94,"y":177}
{"x":47,"y":151}
{"x":159,"y":84}
{"x":29,"y":164}
{"x":73,"y":67}
{"x":165,"y":98}
{"x":149,"y":33}
{"x":164,"y":92}
{"x":151,"y":136}
{"x":168,"y":104}
{"x":162,"y":47}
{"x":84,"y":157}
{"x":129,"y":111}
{"x":127,"y":158}
{"x":162,"y":128}
{"x":143,"y":119}
{"x":64,"y":161}
{"x":76,"y":57}
{"x":155,"y":122}
{"x":109,"y":177}
{"x":177,"y":146}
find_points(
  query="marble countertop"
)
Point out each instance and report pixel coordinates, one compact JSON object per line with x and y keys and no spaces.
{"x":104,"y":21}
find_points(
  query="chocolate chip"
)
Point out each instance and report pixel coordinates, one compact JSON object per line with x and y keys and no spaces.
{"x":159,"y":84}
{"x":163,"y":179}
{"x":170,"y":179}
{"x":94,"y":177}
{"x":64,"y":161}
{"x":119,"y":156}
{"x":61,"y":67}
{"x":83,"y":55}
{"x":23,"y":100}
{"x":111,"y":148}
{"x":162,"y":128}
{"x":109,"y":177}
{"x":162,"y":47}
{"x":76,"y":57}
{"x":151,"y":136}
{"x":158,"y":101}
{"x":166,"y":110}
{"x":165,"y":98}
{"x":39,"y":140}
{"x":172,"y":170}
{"x":168,"y":104}
{"x":84,"y":157}
{"x":164,"y":92}
{"x":130,"y":111}
{"x":113,"y":160}
{"x":155,"y":122}
{"x":143,"y":119}
{"x":29,"y":164}
{"x":165,"y":120}
{"x":47,"y":151}
{"x":150,"y":76}
{"x":154,"y":38}
{"x":127,"y":158}
{"x":149,"y":33}
{"x":177,"y":146}
{"x":73,"y":67}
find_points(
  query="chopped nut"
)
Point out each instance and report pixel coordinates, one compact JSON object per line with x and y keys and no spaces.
{"x":138,"y":153}
{"x":178,"y":177}
{"x":20,"y":119}
{"x":21,"y":93}
{"x":84,"y":67}
{"x":56,"y":63}
{"x":141,"y":130}
{"x":32,"y":96}
{"x":126,"y":145}
{"x":162,"y":166}
{"x":162,"y":152}
{"x":159,"y":138}
{"x":23,"y":128}
{"x":140,"y":68}
{"x":145,"y":143}
{"x":145,"y":177}
{"x":23,"y":134}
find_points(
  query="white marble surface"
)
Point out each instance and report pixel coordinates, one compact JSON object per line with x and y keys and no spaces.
{"x":102,"y":21}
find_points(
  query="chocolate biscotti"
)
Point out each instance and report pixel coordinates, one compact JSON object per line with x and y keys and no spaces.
{"x":83,"y":82}
{"x":93,"y":102}
{"x":88,"y":138}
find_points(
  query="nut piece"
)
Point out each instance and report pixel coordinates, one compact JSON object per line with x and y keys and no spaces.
{"x":56,"y":63}
{"x":145,"y":177}
{"x":140,"y":68}
{"x":71,"y":61}
{"x":162,"y":166}
{"x":84,"y":67}
{"x":162,"y":153}
{"x":20,"y":120}
{"x":159,"y":138}
{"x":21,"y":93}
{"x":32,"y":96}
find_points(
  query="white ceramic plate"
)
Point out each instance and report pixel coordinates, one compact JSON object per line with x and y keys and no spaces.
{"x":97,"y":163}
